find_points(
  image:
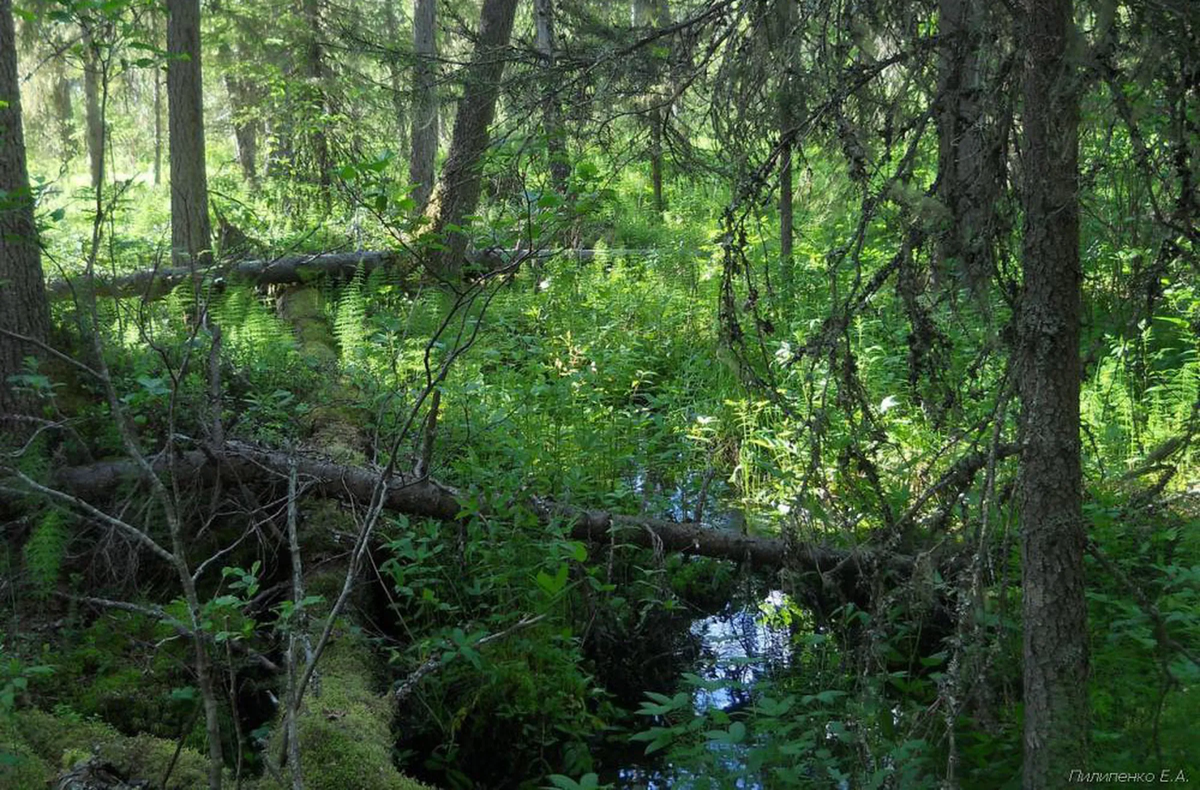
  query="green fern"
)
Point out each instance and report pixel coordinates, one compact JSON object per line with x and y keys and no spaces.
{"x":251,"y":329}
{"x":45,"y":549}
{"x":350,"y":320}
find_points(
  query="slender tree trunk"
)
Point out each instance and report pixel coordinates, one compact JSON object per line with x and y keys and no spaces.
{"x":315,"y":68}
{"x":656,"y":158}
{"x":552,"y":125}
{"x":158,"y":130}
{"x":457,"y":192}
{"x":190,"y":244}
{"x":245,"y":126}
{"x":23,"y":306}
{"x":1050,"y":488}
{"x":64,"y":113}
{"x":658,"y":13}
{"x":191,"y":232}
{"x":425,"y":102}
{"x":391,"y":21}
{"x":785,"y":13}
{"x":95,"y":121}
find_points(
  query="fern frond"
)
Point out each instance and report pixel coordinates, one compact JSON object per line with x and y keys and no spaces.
{"x":45,"y":549}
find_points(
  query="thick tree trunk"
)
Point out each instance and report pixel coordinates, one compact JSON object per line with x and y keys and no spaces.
{"x":191,"y":232}
{"x":94,"y":113}
{"x":424,"y":102}
{"x":552,"y":125}
{"x":23,"y":307}
{"x":1050,"y":488}
{"x":456,"y":195}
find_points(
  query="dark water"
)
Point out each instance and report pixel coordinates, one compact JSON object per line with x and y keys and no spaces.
{"x":738,"y":647}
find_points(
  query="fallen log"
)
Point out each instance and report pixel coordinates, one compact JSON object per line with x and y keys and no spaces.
{"x":425,"y":497}
{"x":151,"y":284}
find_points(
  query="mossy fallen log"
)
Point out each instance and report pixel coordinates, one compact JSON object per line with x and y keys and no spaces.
{"x":49,"y":747}
{"x":151,"y":284}
{"x":345,"y":732}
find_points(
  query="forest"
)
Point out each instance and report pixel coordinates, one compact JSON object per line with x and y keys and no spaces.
{"x":584,"y":394}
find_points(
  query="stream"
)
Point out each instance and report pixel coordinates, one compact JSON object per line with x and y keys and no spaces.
{"x":737,"y":647}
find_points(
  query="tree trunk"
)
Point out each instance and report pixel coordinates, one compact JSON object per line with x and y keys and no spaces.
{"x":95,"y":119}
{"x":969,"y":162}
{"x":1050,"y":487}
{"x":785,"y":19}
{"x":158,"y":130}
{"x":657,"y":116}
{"x":457,"y":192}
{"x":658,"y":14}
{"x":64,"y":113}
{"x":552,"y":126}
{"x":190,"y":229}
{"x":391,"y":22}
{"x":314,"y":59}
{"x":245,"y":126}
{"x":23,"y":307}
{"x":425,"y":102}
{"x":151,"y":284}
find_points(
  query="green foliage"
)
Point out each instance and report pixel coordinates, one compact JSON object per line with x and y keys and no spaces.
{"x":350,"y":324}
{"x":45,"y":549}
{"x":518,"y":706}
{"x":118,"y":680}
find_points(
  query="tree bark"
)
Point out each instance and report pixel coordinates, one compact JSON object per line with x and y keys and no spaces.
{"x":245,"y":125}
{"x":64,"y":112}
{"x":785,"y":19}
{"x":969,"y":161}
{"x":658,"y":14}
{"x":1050,"y":487}
{"x":191,"y":232}
{"x":425,"y":102}
{"x":158,"y":130}
{"x":456,"y":195}
{"x":92,"y":68}
{"x":552,"y":125}
{"x":314,"y":60}
{"x":23,"y":307}
{"x":391,"y":22}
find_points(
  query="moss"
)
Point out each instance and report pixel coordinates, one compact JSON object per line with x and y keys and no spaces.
{"x":337,"y":433}
{"x":345,"y":734}
{"x":304,"y":308}
{"x":19,"y":766}
{"x":54,"y":740}
{"x":117,"y":682}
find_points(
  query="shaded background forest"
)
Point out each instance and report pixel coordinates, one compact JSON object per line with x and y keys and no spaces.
{"x":413,"y":384}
